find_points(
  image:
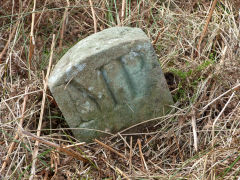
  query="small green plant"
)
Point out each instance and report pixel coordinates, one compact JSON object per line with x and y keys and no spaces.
{"x":181,"y":93}
{"x":181,"y":74}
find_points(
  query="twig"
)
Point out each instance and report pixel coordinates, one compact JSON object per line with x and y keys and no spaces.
{"x":155,"y":165}
{"x":158,"y":35}
{"x":9,"y":40}
{"x":14,"y":97}
{"x":123,"y":11}
{"x":94,"y":18}
{"x":204,"y":167}
{"x":130,"y":155}
{"x":239,"y":20}
{"x":68,"y":151}
{"x":13,"y":32}
{"x":116,"y":169}
{"x":110,"y":149}
{"x":213,"y":135}
{"x":194,"y":128}
{"x":17,"y":133}
{"x":32,"y":41}
{"x":144,"y":122}
{"x":178,"y":146}
{"x":41,"y":14}
{"x":206,"y":26}
{"x":122,"y":173}
{"x":126,"y":143}
{"x":141,"y":155}
{"x":235,"y":88}
{"x":63,"y":25}
{"x":35,"y":152}
{"x":215,"y":121}
{"x":74,"y":145}
{"x":178,"y":28}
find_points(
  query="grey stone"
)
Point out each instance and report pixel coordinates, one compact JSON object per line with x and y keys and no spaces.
{"x":109,"y":81}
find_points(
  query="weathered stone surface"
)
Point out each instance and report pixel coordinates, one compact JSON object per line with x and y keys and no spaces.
{"x":109,"y":81}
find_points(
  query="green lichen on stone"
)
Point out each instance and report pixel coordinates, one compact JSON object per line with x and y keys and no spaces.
{"x":109,"y":81}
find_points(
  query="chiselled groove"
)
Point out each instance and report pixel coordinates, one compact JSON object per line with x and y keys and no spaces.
{"x":142,"y":61}
{"x":127,"y":76}
{"x":84,"y":90}
{"x":109,"y":89}
{"x":130,"y":82}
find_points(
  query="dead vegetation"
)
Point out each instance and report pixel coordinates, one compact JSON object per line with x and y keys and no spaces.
{"x":199,"y":139}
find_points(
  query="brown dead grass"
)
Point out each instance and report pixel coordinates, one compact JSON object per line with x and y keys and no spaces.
{"x":198,"y":140}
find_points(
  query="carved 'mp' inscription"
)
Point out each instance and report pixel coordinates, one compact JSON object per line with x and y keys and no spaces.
{"x":116,"y":83}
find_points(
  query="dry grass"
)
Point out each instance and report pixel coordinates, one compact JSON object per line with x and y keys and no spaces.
{"x":198,"y":140}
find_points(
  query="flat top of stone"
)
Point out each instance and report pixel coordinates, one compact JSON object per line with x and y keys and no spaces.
{"x":92,"y":45}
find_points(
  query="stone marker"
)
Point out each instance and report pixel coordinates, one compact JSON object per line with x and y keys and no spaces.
{"x":109,"y":81}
